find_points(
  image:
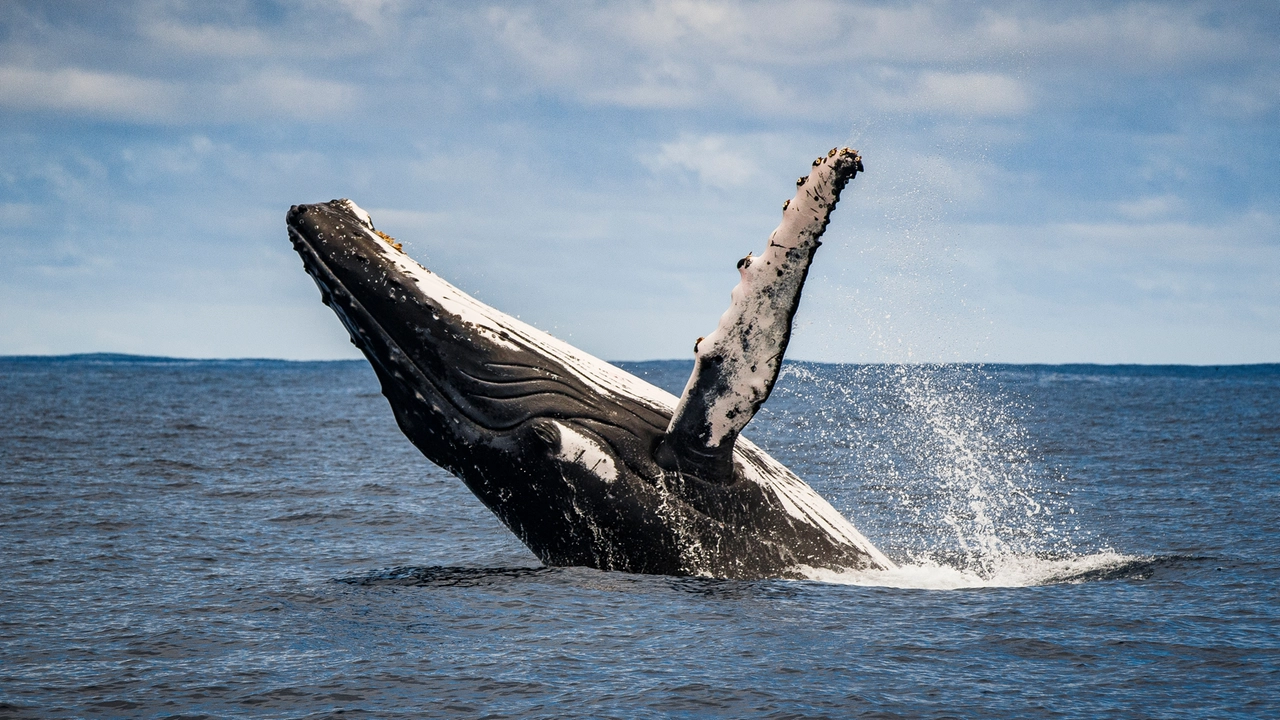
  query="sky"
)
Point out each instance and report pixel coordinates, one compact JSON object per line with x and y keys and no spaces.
{"x":1045,"y":182}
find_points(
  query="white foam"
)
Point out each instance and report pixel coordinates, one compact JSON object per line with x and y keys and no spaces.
{"x":1009,"y":571}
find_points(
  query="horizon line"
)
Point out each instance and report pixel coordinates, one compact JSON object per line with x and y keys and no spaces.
{"x":139,"y":358}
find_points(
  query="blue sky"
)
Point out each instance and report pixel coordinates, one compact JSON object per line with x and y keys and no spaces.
{"x":1045,"y":182}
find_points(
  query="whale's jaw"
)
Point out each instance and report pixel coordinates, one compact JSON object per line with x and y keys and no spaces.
{"x":563,"y":447}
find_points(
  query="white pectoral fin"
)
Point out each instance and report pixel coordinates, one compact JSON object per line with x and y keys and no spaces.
{"x":736,"y":366}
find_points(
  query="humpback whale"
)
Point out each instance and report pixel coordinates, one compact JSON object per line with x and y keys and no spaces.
{"x":587,"y":464}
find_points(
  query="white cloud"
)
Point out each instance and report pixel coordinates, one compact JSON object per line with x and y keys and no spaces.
{"x":17,"y":214}
{"x":713,"y":158}
{"x":973,"y":93}
{"x":210,"y":40}
{"x":89,"y":92}
{"x":1124,"y":38}
{"x":1151,"y":207}
{"x":1110,"y":261}
{"x":285,"y":93}
{"x":686,"y":53}
{"x":1248,"y":99}
{"x":966,"y":94}
{"x":680,"y":21}
{"x":667,"y":86}
{"x":814,"y":59}
{"x":546,"y":58}
{"x":267,"y":93}
{"x":374,"y":13}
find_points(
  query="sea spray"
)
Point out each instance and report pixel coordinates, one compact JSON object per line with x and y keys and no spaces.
{"x":935,"y":462}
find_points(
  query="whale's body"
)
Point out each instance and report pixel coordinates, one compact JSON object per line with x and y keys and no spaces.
{"x":584,"y":462}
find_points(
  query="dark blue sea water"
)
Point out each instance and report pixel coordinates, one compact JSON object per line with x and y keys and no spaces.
{"x":257,"y":539}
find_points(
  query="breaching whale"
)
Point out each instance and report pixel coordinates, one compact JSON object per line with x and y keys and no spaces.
{"x":587,"y":464}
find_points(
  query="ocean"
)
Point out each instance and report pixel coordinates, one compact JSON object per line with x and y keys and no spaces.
{"x":257,"y":539}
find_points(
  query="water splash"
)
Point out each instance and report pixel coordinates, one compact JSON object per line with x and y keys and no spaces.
{"x":968,"y":470}
{"x":934,"y":463}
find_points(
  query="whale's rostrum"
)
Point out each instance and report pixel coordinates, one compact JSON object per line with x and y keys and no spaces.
{"x":584,"y":462}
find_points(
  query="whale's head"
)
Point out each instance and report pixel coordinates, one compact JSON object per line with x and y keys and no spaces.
{"x":482,"y":394}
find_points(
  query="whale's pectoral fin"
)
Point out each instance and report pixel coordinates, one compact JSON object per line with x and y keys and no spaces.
{"x":736,"y":366}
